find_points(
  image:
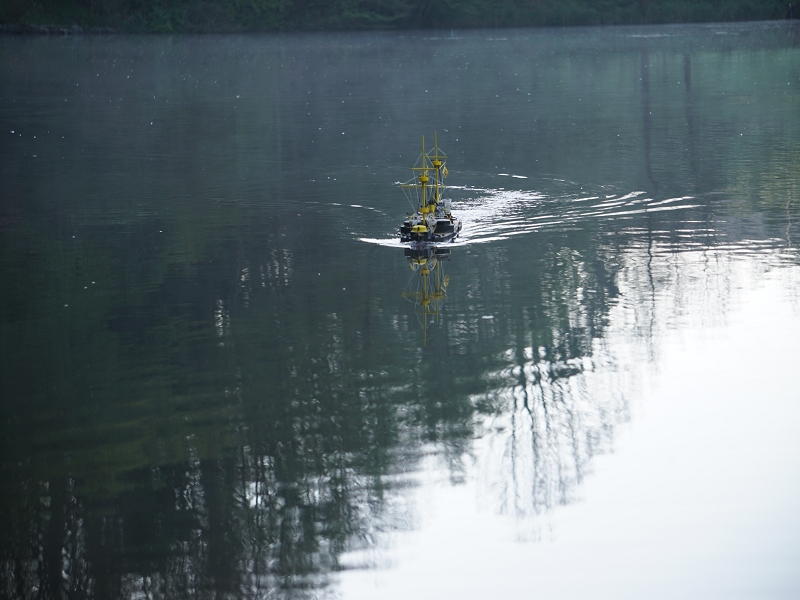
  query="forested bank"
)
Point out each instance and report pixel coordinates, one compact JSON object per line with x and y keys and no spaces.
{"x":317,"y":15}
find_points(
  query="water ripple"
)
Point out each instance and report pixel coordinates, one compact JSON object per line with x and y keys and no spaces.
{"x":492,"y":214}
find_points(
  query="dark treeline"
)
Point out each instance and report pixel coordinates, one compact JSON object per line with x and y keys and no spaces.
{"x":315,"y":15}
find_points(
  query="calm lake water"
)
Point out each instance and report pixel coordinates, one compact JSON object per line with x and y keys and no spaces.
{"x":217,"y":378}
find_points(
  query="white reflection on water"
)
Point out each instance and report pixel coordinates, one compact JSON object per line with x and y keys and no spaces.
{"x":699,"y":499}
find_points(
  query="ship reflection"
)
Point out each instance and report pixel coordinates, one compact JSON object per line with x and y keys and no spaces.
{"x":427,"y":288}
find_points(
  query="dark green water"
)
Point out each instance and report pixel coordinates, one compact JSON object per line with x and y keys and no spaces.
{"x":212,"y":384}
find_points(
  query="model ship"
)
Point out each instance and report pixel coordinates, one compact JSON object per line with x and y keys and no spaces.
{"x":432,"y":223}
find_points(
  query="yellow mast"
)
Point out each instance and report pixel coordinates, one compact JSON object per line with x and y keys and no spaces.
{"x":436,"y":163}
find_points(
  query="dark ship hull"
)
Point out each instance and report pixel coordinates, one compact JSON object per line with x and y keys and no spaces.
{"x":445,"y":231}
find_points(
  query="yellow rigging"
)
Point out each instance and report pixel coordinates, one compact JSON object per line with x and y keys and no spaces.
{"x":433,"y":161}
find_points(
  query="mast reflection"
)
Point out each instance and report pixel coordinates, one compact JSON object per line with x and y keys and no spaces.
{"x":427,"y":289}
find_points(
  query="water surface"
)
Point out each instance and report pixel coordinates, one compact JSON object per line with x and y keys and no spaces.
{"x":217,"y":376}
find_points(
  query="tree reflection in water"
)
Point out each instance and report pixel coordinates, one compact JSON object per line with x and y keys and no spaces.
{"x":549,"y":424}
{"x":309,"y":451}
